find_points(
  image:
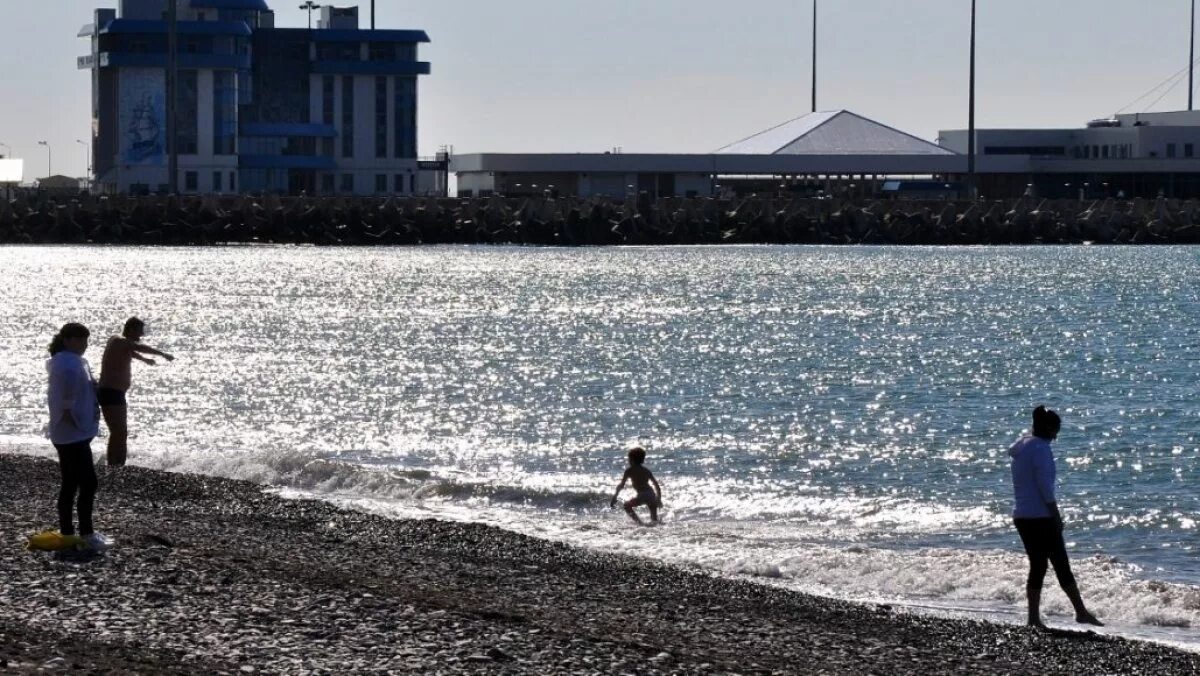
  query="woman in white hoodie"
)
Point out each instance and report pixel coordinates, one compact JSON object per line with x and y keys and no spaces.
{"x":74,"y":422}
{"x":1038,"y":519}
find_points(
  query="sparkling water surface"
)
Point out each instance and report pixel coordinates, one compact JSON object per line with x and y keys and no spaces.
{"x":831,"y":419}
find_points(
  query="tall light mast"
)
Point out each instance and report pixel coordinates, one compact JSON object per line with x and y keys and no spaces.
{"x":971,"y":178}
{"x":814,"y":58}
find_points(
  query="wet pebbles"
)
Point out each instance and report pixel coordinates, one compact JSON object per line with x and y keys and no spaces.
{"x":215,"y":576}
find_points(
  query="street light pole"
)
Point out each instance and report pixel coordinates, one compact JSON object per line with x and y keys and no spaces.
{"x":88,"y":146}
{"x":310,"y":6}
{"x":372,"y":14}
{"x":172,"y":97}
{"x":49,"y":165}
{"x":1192,"y":61}
{"x":971,"y":187}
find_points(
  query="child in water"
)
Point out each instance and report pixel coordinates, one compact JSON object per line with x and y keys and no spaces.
{"x":641,"y":478}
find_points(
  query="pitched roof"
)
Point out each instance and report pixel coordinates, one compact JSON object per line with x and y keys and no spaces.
{"x":835,"y":132}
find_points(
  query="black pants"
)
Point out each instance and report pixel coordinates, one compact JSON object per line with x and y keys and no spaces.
{"x":78,"y":476}
{"x":1044,"y":544}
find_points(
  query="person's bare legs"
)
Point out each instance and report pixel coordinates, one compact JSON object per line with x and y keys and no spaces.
{"x":653,"y":513}
{"x":116,"y":417}
{"x":629,"y":509}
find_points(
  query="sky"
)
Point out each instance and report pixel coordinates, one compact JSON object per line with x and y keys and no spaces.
{"x":678,"y":75}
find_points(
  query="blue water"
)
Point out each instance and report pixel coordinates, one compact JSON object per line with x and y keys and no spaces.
{"x":831,"y":419}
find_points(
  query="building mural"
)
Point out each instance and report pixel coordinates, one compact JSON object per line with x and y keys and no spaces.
{"x":143,"y":116}
{"x":260,"y":108}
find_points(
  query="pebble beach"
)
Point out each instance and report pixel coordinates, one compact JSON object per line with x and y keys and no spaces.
{"x":217,"y":576}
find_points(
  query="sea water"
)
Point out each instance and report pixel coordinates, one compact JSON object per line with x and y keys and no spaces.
{"x":834,"y":420}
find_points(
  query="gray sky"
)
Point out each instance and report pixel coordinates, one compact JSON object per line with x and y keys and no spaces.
{"x":679,"y":75}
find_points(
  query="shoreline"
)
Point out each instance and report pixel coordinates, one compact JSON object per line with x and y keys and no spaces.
{"x":220,"y":576}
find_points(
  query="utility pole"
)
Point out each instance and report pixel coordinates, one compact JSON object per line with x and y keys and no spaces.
{"x":373,"y":14}
{"x":1192,"y":62}
{"x":971,"y":178}
{"x":172,"y":96}
{"x":814,"y":58}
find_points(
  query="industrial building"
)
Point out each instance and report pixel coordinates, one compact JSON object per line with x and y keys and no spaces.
{"x":1136,"y":155}
{"x":1142,"y":155}
{"x":330,"y":110}
{"x":814,"y":153}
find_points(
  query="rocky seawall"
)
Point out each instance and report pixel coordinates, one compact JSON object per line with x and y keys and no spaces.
{"x":33,"y":219}
{"x":219,"y":577}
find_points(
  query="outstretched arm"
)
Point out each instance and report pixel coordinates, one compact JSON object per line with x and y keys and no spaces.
{"x":145,"y":360}
{"x":620,"y":487}
{"x":146,"y":349}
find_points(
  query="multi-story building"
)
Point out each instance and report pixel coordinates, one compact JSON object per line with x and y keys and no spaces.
{"x":1134,"y":155}
{"x":330,"y":110}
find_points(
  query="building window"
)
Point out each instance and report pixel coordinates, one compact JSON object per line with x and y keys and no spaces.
{"x":348,"y":183}
{"x":1171,"y":150}
{"x":412,"y":183}
{"x":381,"y":183}
{"x":347,"y":116}
{"x":1189,"y":150}
{"x":327,"y":99}
{"x":233,"y":181}
{"x":327,"y":184}
{"x":398,"y":184}
{"x":216,"y":181}
{"x":1105,"y":152}
{"x":382,"y":51}
{"x":224,"y":113}
{"x":381,"y":116}
{"x":191,"y":181}
{"x":406,"y":117}
{"x":188,"y":134}
{"x":1026,"y":150}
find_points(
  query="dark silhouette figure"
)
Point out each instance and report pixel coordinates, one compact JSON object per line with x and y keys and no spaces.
{"x":641,"y":478}
{"x":74,"y":419}
{"x":1037,"y":518}
{"x":115,"y":377}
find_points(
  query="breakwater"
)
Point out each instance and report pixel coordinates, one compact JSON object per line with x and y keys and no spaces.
{"x":210,"y":220}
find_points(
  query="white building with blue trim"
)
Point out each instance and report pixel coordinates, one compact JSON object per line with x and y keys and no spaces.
{"x":330,"y":110}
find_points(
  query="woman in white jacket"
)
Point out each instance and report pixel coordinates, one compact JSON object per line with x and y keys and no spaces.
{"x":74,"y":422}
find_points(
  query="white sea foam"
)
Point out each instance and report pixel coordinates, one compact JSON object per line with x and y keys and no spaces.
{"x":829,"y":419}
